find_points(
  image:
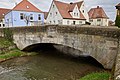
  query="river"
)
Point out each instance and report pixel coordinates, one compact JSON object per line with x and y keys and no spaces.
{"x":47,"y":65}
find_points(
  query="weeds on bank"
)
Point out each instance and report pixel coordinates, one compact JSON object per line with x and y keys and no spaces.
{"x":97,"y":76}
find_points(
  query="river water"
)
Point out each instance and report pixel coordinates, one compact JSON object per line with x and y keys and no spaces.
{"x":47,"y":66}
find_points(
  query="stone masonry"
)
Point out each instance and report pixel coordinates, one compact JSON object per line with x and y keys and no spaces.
{"x":97,"y":42}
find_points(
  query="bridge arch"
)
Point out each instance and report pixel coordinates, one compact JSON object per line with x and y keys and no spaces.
{"x":95,"y":42}
{"x":64,"y":49}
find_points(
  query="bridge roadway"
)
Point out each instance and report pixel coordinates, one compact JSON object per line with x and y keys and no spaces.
{"x":101,"y":43}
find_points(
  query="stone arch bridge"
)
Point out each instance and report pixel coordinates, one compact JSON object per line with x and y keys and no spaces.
{"x":101,"y":43}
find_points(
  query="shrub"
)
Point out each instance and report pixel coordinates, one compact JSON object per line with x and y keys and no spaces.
{"x":117,"y":21}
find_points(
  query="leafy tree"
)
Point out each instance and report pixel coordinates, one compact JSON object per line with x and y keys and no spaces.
{"x":117,"y":21}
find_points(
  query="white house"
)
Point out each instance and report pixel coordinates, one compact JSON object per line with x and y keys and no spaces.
{"x":67,"y":14}
{"x":3,"y":11}
{"x":24,"y":14}
{"x":98,"y":17}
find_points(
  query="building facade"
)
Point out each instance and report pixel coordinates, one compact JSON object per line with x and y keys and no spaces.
{"x":24,"y":14}
{"x":98,"y":17}
{"x":3,"y":11}
{"x":67,"y":14}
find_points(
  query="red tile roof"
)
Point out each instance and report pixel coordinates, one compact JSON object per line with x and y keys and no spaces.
{"x":25,"y":5}
{"x":79,"y":4}
{"x":97,"y":13}
{"x":72,"y":5}
{"x":65,"y":9}
{"x":3,"y":11}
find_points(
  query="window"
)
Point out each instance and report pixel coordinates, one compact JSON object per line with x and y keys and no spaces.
{"x":27,"y":7}
{"x":98,"y":20}
{"x":21,"y":16}
{"x":80,"y":22}
{"x":67,"y":22}
{"x":74,"y":14}
{"x":54,"y":22}
{"x":73,"y":22}
{"x":56,"y":13}
{"x":0,"y":25}
{"x":50,"y":14}
{"x":53,"y":6}
{"x":91,"y":20}
{"x":83,"y":11}
{"x":77,"y":14}
{"x":31,"y":16}
{"x":58,"y":21}
{"x":3,"y":25}
{"x":39,"y":17}
{"x":50,"y":22}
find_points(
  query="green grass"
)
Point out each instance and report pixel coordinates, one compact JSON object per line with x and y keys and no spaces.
{"x":12,"y":53}
{"x":97,"y":76}
{"x":5,"y":43}
{"x":15,"y":53}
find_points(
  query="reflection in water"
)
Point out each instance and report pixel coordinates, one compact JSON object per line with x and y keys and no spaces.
{"x":49,"y":65}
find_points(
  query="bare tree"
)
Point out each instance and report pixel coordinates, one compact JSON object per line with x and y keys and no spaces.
{"x":27,"y":19}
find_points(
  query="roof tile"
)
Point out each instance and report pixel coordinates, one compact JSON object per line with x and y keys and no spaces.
{"x":3,"y":11}
{"x":97,"y":13}
{"x":25,"y":5}
{"x":65,"y":9}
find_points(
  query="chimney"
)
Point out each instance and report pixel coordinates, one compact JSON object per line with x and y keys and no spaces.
{"x":98,"y":7}
{"x":71,"y":2}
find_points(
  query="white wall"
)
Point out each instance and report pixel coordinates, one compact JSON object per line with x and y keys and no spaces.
{"x":103,"y":22}
{"x":77,"y":22}
{"x":85,"y":13}
{"x":52,"y":17}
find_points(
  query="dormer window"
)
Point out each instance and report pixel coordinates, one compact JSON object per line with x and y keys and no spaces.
{"x":28,"y":7}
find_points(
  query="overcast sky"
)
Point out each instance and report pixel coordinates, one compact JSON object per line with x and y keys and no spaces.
{"x":44,"y":5}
